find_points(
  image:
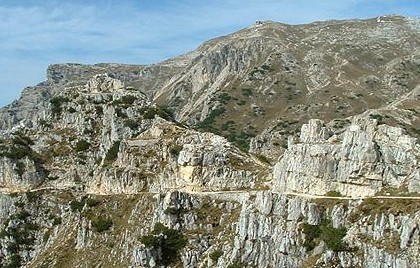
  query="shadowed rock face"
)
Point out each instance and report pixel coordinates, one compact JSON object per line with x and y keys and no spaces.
{"x":258,"y":149}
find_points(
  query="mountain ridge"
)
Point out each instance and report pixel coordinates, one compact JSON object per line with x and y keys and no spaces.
{"x":274,"y":146}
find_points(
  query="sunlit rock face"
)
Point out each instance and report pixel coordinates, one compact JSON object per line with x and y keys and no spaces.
{"x":103,"y":84}
{"x":357,"y":162}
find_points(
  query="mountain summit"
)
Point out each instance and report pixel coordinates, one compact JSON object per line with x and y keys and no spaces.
{"x":275,"y":146}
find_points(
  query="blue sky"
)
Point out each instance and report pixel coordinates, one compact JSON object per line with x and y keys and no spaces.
{"x":36,"y":33}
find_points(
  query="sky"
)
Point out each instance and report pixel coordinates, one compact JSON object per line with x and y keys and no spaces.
{"x":36,"y":33}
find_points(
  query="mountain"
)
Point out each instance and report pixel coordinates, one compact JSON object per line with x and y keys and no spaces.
{"x":275,"y":146}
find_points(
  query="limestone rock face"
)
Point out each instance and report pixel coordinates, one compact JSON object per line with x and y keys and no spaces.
{"x":104,"y":83}
{"x":270,"y":143}
{"x":167,"y":156}
{"x":21,"y":175}
{"x":357,"y":162}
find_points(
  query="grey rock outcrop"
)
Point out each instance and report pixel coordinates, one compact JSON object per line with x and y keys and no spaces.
{"x":167,"y":156}
{"x":357,"y":162}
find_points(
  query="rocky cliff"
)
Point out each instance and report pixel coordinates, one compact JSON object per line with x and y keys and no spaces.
{"x":275,"y":146}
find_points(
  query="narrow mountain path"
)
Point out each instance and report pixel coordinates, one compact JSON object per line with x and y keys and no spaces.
{"x":352,"y":198}
{"x":252,"y":192}
{"x":231,"y":193}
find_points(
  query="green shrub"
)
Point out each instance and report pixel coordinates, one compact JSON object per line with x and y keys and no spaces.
{"x":174,"y":211}
{"x":53,"y":178}
{"x":224,"y":127}
{"x":81,"y":146}
{"x":333,"y":194}
{"x":128,"y":100}
{"x":30,"y":226}
{"x":247,"y":92}
{"x":92,"y":202}
{"x":79,"y":205}
{"x":112,"y":153}
{"x":376,"y":116}
{"x":22,"y":215}
{"x":265,"y":67}
{"x":20,"y":168}
{"x":46,"y":236}
{"x":19,"y":148}
{"x":172,"y":243}
{"x":150,"y":241}
{"x":225,"y":97}
{"x":125,"y":101}
{"x":333,"y":237}
{"x":169,"y":241}
{"x":32,"y":196}
{"x":101,"y":225}
{"x":207,"y":123}
{"x":255,"y":71}
{"x":76,"y":205}
{"x":241,"y":141}
{"x":263,"y":158}
{"x":99,"y":110}
{"x":13,"y":247}
{"x":21,"y":236}
{"x":165,"y":113}
{"x":175,"y":149}
{"x":237,"y":265}
{"x":15,"y":261}
{"x":120,"y":112}
{"x":149,"y":113}
{"x":159,"y":228}
{"x":171,"y":211}
{"x":311,"y":232}
{"x":132,"y":124}
{"x":20,"y":204}
{"x":241,"y":102}
{"x":21,"y":139}
{"x":56,"y":104}
{"x":57,"y":221}
{"x":215,"y":255}
{"x":18,"y":152}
